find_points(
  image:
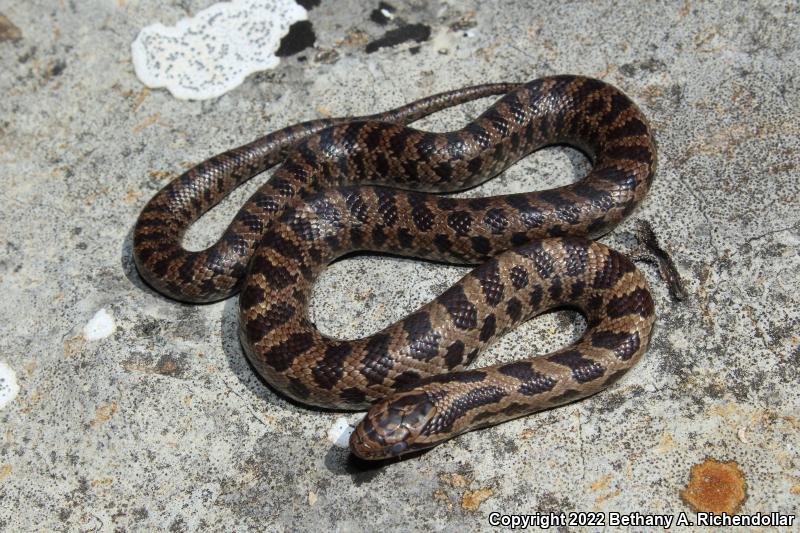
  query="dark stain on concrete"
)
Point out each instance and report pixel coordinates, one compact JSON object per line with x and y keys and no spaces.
{"x":410,"y":32}
{"x":377,"y":16}
{"x":166,"y":365}
{"x":309,"y":4}
{"x":301,"y":36}
{"x":8,"y":31}
{"x":57,"y":68}
{"x":650,"y":65}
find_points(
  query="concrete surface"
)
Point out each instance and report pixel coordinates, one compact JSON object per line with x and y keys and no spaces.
{"x":147,"y":417}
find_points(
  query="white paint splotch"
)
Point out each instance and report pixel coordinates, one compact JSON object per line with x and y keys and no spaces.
{"x":209,"y":54}
{"x":100,"y":326}
{"x":9,"y":388}
{"x":339,"y":432}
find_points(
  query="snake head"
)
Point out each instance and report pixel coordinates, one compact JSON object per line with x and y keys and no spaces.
{"x":393,"y":425}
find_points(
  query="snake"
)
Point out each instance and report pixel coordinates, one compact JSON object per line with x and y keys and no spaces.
{"x":374,"y":183}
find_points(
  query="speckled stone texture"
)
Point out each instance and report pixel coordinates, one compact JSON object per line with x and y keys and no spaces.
{"x":163,"y":425}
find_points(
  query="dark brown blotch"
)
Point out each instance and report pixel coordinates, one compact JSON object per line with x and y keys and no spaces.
{"x":387,"y":207}
{"x":461,"y":405}
{"x":623,"y":344}
{"x":638,"y":301}
{"x":267,"y":202}
{"x":406,"y":380}
{"x":266,"y":321}
{"x":600,"y":200}
{"x":612,"y":270}
{"x":463,"y":313}
{"x":460,"y":222}
{"x":514,"y":309}
{"x":478,"y":204}
{"x":423,"y":341}
{"x":442,"y":243}
{"x":455,"y":355}
{"x":519,"y":277}
{"x":405,"y":238}
{"x":358,"y":208}
{"x":328,"y":371}
{"x":282,"y":245}
{"x":577,"y":289}
{"x":641,"y":154}
{"x":421,"y":214}
{"x":497,"y":220}
{"x":378,"y":236}
{"x":577,"y":256}
{"x":251,"y":295}
{"x":352,"y":395}
{"x":303,"y":228}
{"x":278,"y":277}
{"x":489,"y":278}
{"x":468,"y":376}
{"x":543,"y":262}
{"x":446,"y":204}
{"x":326,"y":209}
{"x":533,"y":382}
{"x":556,"y":289}
{"x":356,"y":237}
{"x":481,"y":245}
{"x":537,"y":294}
{"x":281,"y":356}
{"x":583,"y":369}
{"x":376,"y":364}
{"x":489,"y":328}
{"x":399,"y":142}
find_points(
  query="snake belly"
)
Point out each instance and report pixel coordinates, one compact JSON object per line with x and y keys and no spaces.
{"x":330,"y":197}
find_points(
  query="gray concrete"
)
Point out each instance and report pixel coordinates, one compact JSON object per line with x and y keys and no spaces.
{"x":164,"y":425}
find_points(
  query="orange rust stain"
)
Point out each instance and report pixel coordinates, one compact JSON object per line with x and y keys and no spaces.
{"x":442,"y":496}
{"x":602,"y":483}
{"x":455,"y":480}
{"x":715,"y":487}
{"x":106,"y":412}
{"x":149,"y":121}
{"x":140,"y":99}
{"x":159,"y":175}
{"x":132,"y":196}
{"x":354,"y":38}
{"x":603,"y":497}
{"x":73,"y":345}
{"x":473,"y":499}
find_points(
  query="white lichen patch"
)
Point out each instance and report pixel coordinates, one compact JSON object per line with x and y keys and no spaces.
{"x":209,"y":54}
{"x":100,"y":326}
{"x":9,"y":388}
{"x":339,"y":432}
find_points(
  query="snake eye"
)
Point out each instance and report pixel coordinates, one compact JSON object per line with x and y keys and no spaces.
{"x":399,"y":448}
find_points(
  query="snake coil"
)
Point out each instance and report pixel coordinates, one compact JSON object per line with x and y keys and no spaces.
{"x":366,"y":184}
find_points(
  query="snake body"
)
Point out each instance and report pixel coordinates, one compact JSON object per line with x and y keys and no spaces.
{"x":328,"y":199}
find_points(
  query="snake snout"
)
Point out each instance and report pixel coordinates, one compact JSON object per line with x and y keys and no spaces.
{"x":392,"y":426}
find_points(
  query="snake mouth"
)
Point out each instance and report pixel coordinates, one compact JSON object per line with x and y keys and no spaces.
{"x":393,"y":426}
